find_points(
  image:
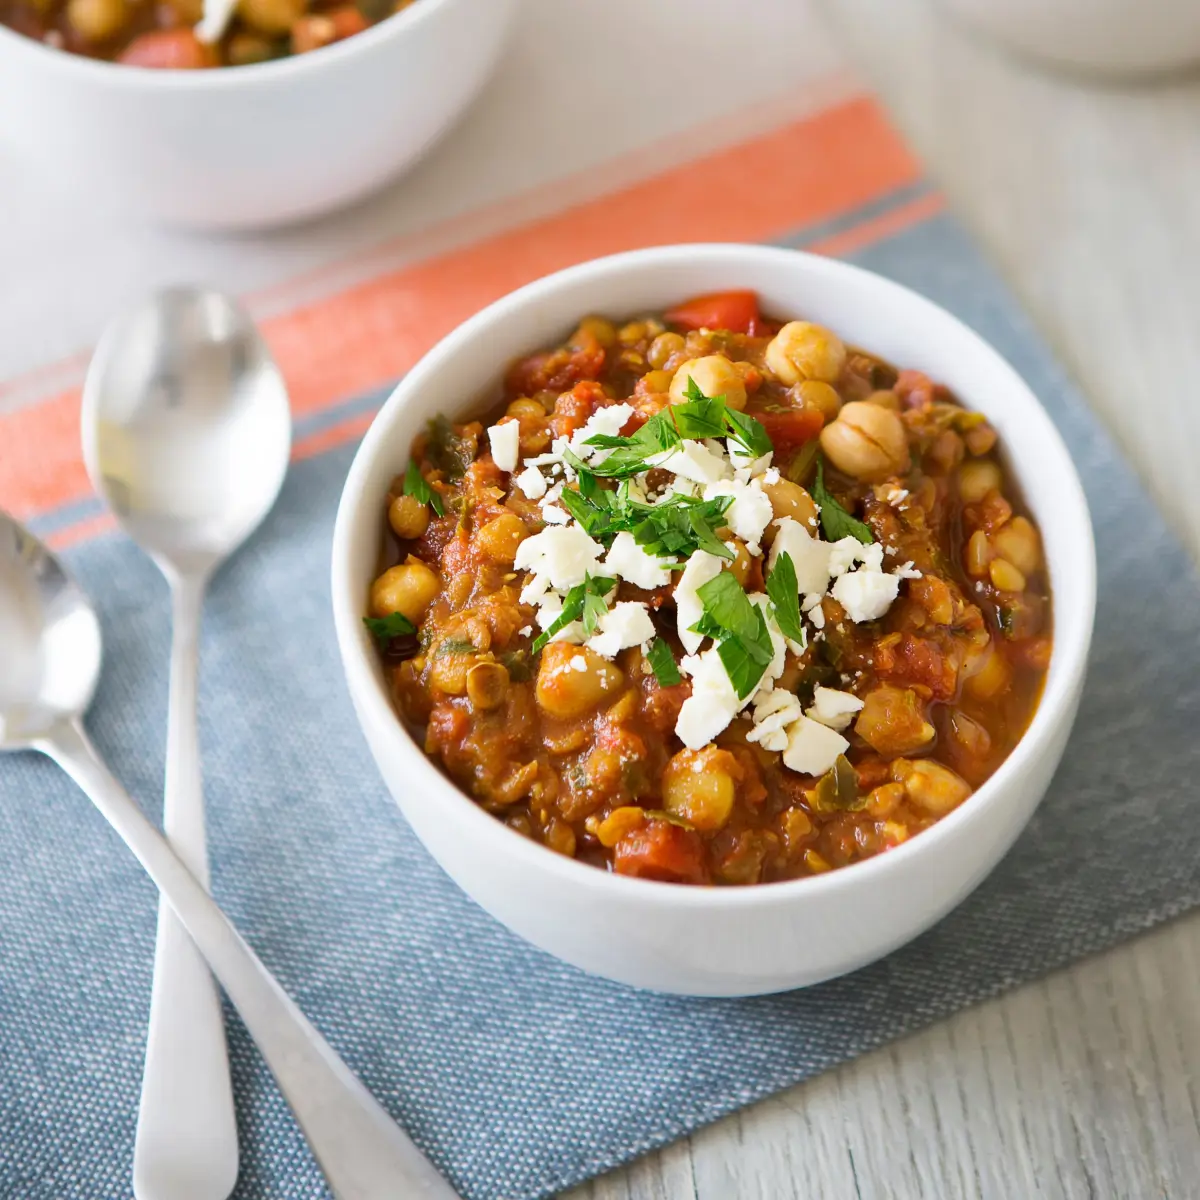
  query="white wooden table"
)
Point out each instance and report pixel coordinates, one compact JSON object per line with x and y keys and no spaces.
{"x":1088,"y":1083}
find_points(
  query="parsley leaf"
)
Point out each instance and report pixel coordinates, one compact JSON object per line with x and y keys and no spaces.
{"x":662,"y":663}
{"x":836,"y":522}
{"x":785,"y":597}
{"x":387,"y":629}
{"x":743,"y":639}
{"x":583,"y":602}
{"x":679,"y":526}
{"x":449,"y":450}
{"x":750,"y":433}
{"x":415,"y":485}
{"x":699,"y":417}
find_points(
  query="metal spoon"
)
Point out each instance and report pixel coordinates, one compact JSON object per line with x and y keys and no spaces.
{"x":49,"y":665}
{"x":186,"y":435}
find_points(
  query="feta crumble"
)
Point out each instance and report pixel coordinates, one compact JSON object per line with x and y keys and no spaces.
{"x":834,"y":708}
{"x":812,"y":748}
{"x":700,"y":568}
{"x":626,"y":624}
{"x":506,"y":444}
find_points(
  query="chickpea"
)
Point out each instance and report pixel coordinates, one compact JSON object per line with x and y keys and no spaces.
{"x":885,"y":399}
{"x":525,"y":409}
{"x":979,"y":554}
{"x":714,"y":375}
{"x":789,"y":499}
{"x":97,"y":20}
{"x":563,"y":690}
{"x":663,"y":347}
{"x":741,"y":562}
{"x":656,"y":382}
{"x":601,"y":328}
{"x":617,"y":824}
{"x":1018,"y":542}
{"x":271,"y":16}
{"x":992,"y":677}
{"x":933,"y":788}
{"x":487,"y":685}
{"x":821,"y":396}
{"x":408,"y":517}
{"x":409,"y":588}
{"x":892,"y":721}
{"x":1005,"y":576}
{"x":449,"y":667}
{"x":699,"y":786}
{"x":976,"y":478}
{"x":499,"y":538}
{"x":866,"y":441}
{"x":801,"y":350}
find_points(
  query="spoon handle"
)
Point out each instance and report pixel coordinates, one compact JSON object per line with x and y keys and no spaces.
{"x":186,"y":1146}
{"x":362,"y":1151}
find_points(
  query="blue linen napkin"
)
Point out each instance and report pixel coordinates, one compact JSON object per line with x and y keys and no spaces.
{"x":518,"y":1075}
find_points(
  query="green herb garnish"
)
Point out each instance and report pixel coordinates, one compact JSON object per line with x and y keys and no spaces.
{"x":675,"y":527}
{"x":386,"y":629}
{"x":584,"y":602}
{"x":740,"y":630}
{"x":785,"y":597}
{"x":662,"y":663}
{"x":415,"y":485}
{"x":698,"y":418}
{"x":454,"y":645}
{"x":447,"y":450}
{"x":837,"y":790}
{"x":836,"y":522}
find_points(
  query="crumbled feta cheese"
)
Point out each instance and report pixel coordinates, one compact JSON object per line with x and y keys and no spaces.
{"x":712,"y":704}
{"x":563,"y":554}
{"x":814,"y":612}
{"x":578,"y":663}
{"x":833,"y":708}
{"x":812,"y":748}
{"x":694,"y":462}
{"x":506,"y":444}
{"x":774,"y":711}
{"x":906,"y":570}
{"x":553,"y":514}
{"x":844,"y":554}
{"x":627,"y":560}
{"x":750,"y":513}
{"x":532,"y":482}
{"x":897,"y":496}
{"x":525,"y":630}
{"x":626,"y":624}
{"x":809,"y":556}
{"x":701,"y":567}
{"x":609,"y":420}
{"x":770,"y":476}
{"x":866,"y":595}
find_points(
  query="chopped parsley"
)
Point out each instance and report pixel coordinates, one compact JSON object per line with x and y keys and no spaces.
{"x":836,"y":522}
{"x":785,"y":597}
{"x":739,"y":629}
{"x":699,"y":417}
{"x":675,"y":527}
{"x":415,"y":486}
{"x":386,"y":630}
{"x":662,"y":663}
{"x":584,"y":602}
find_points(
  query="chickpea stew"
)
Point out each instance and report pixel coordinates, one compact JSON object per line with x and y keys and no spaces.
{"x":192,"y":34}
{"x":713,"y":598}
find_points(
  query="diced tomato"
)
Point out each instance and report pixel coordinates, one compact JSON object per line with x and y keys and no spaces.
{"x":168,"y":49}
{"x":789,"y":431}
{"x":660,"y":850}
{"x":915,"y":660}
{"x":736,"y":311}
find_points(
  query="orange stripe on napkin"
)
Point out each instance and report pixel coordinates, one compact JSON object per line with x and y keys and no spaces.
{"x":808,"y":171}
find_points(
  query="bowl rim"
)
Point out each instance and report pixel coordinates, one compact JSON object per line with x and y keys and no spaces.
{"x":1072,"y":635}
{"x":252,"y":75}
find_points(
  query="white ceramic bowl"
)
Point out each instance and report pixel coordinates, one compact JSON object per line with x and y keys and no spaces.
{"x":244,"y":147}
{"x":720,"y":941}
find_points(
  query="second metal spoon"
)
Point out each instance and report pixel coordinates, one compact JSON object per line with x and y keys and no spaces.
{"x":186,"y":435}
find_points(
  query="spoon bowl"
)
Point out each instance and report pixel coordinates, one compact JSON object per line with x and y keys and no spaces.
{"x":186,"y":426}
{"x":49,"y":641}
